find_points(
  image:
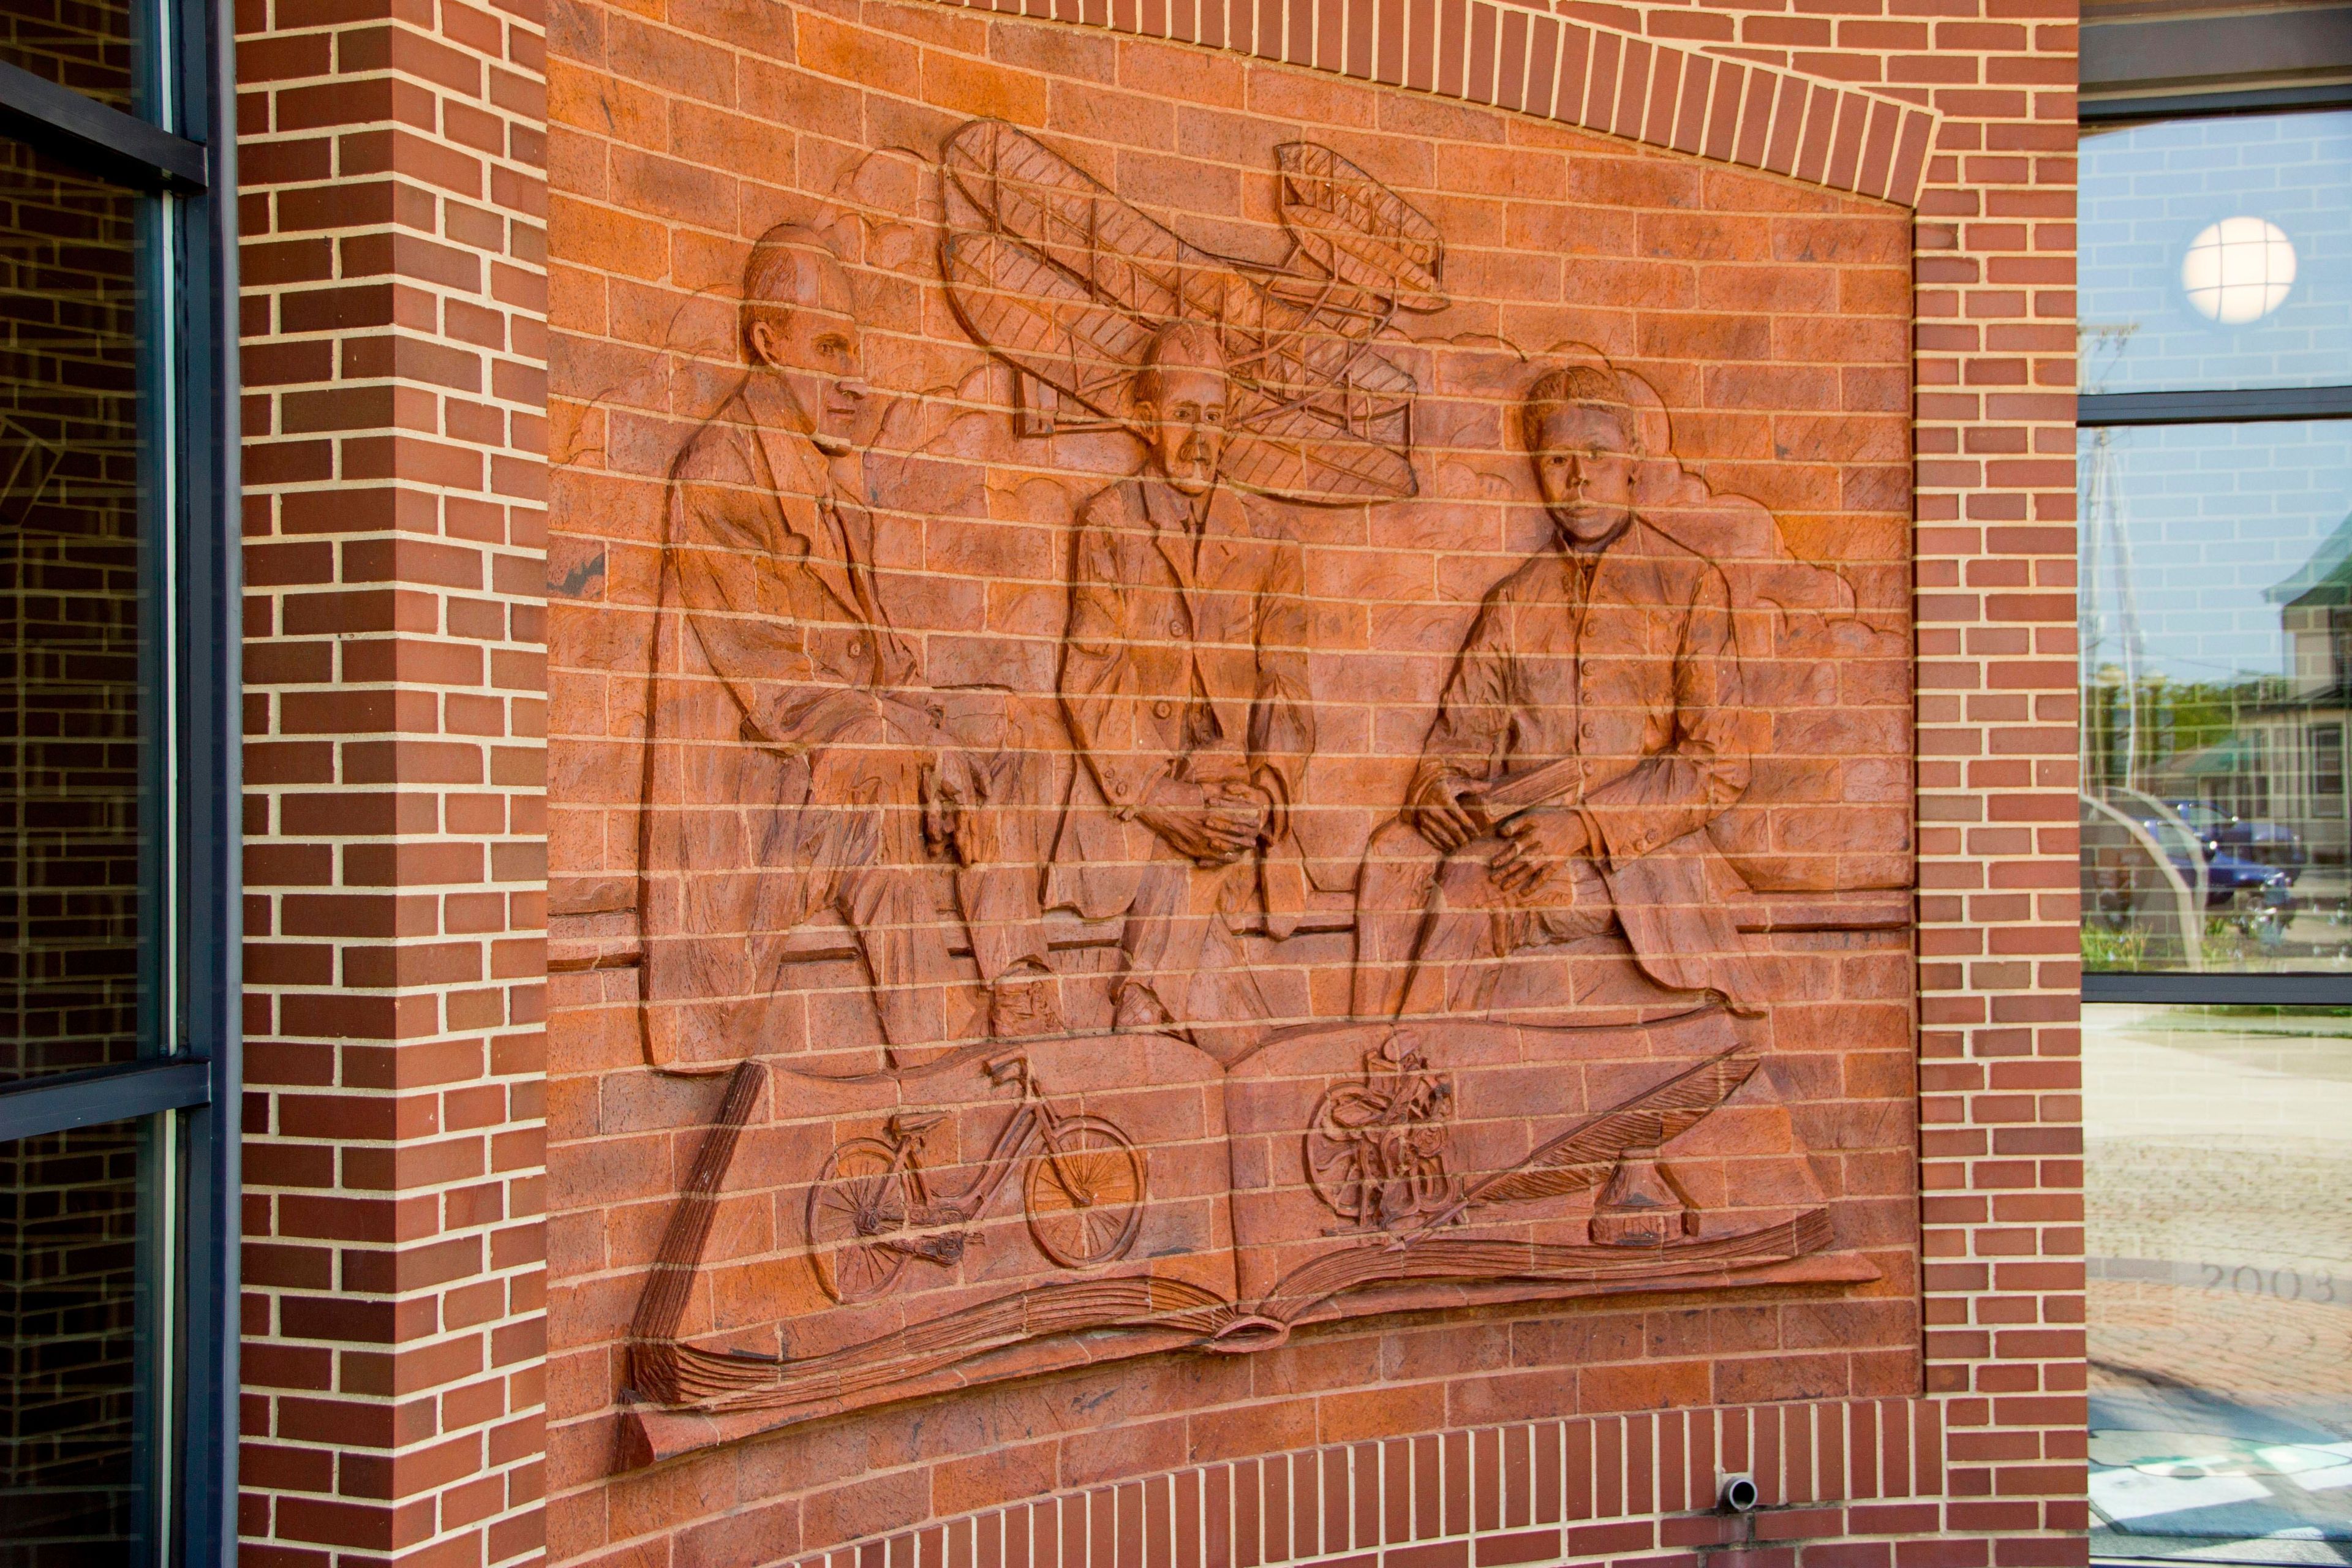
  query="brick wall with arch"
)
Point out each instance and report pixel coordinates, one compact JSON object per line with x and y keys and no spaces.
{"x":1937,"y":1417}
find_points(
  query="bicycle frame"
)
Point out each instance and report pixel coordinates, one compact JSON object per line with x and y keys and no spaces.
{"x":1031,"y":1117}
{"x":888,"y":1214}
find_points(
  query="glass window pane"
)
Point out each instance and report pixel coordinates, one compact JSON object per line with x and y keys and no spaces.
{"x":2216,"y":605}
{"x":70,"y":1355}
{"x":2218,"y":253}
{"x":72,"y":621}
{"x":2218,"y":1151}
{"x":87,"y":45}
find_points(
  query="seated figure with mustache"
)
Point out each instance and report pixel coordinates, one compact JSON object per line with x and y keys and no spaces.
{"x":1184,"y":681}
{"x":797,"y":763}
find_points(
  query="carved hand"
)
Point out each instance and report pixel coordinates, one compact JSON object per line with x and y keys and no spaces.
{"x":948,"y":790}
{"x":1440,"y":815}
{"x":1541,"y":842}
{"x":1239,"y":812}
{"x":1205,"y":828}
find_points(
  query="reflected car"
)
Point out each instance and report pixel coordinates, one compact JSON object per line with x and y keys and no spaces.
{"x":2227,"y":875}
{"x":2263,"y":843}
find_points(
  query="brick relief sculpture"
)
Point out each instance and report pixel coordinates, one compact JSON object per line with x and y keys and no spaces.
{"x":1175,"y":781}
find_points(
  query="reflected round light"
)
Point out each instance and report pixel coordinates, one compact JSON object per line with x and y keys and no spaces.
{"x":2238,"y":270}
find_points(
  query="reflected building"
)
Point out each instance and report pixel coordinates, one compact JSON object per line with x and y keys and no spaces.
{"x":2301,"y":734}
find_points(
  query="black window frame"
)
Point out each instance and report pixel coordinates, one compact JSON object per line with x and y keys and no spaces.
{"x":186,"y":156}
{"x":2148,"y":70}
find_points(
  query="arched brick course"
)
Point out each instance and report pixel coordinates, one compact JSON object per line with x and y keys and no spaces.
{"x":1532,"y":1492}
{"x":1559,"y":68}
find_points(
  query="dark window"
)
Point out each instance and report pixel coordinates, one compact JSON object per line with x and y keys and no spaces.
{"x":90,"y":45}
{"x":72,"y":1380}
{"x":118,"y":668}
{"x":75,"y":709}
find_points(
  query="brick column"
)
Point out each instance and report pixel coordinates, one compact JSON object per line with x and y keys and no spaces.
{"x":2001,"y":960}
{"x":395,"y":368}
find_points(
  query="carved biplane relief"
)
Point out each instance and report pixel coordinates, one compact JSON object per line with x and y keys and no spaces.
{"x":1071,"y":286}
{"x":1185,"y":1008}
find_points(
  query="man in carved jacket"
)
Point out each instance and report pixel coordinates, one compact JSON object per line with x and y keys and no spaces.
{"x":1184,"y":680}
{"x":792,"y":767}
{"x":1588,"y":735}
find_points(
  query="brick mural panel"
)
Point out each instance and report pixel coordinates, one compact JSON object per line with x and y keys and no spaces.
{"x":1192,"y":701}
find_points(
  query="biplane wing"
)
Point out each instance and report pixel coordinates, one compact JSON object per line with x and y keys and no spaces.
{"x":1026,"y":192}
{"x":1042,"y":321}
{"x":1357,"y":230}
{"x":1305,"y":454}
{"x":1066,"y":282}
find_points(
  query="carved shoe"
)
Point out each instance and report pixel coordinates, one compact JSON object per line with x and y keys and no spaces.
{"x":1139,"y":1010}
{"x":1023,"y":1005}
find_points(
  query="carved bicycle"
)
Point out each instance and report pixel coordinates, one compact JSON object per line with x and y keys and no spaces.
{"x":872,"y":1208}
{"x":1376,"y":1149}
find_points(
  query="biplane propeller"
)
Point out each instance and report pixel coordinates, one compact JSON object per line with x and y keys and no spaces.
{"x":1066,"y":282}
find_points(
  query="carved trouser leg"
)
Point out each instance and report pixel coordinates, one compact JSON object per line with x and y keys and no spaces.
{"x":1473,"y":923}
{"x":975,"y":778}
{"x":1182,"y":954}
{"x":861,"y":836}
{"x":1392,"y":900}
{"x":996,"y":767}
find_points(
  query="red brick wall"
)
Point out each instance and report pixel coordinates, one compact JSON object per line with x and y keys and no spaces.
{"x":1837,"y":1477}
{"x":393,"y":1406}
{"x":394,"y":418}
{"x":675,"y":137}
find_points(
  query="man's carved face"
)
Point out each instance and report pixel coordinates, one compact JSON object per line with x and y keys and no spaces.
{"x":1585,"y":470}
{"x":820,"y":351}
{"x":1184,"y":425}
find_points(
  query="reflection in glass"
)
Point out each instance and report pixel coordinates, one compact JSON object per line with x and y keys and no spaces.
{"x":71,"y":614}
{"x":87,"y":45}
{"x":2218,"y":253}
{"x":2215,"y":614}
{"x":2217,"y":1152}
{"x":70,"y":1361}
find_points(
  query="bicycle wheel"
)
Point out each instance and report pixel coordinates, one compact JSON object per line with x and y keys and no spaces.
{"x":1339,"y":1137}
{"x":856,"y":1201}
{"x":1084,"y":1193}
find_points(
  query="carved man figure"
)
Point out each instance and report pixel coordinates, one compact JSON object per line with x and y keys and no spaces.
{"x":1184,"y":680}
{"x":794,"y":768}
{"x":1587,"y":736}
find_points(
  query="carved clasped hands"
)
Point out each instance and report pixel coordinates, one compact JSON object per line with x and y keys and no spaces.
{"x":1214,"y":824}
{"x":951,"y":792}
{"x":1539,"y":842}
{"x":947,"y":792}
